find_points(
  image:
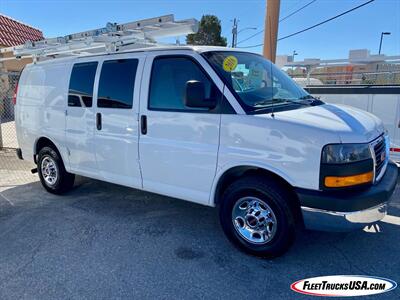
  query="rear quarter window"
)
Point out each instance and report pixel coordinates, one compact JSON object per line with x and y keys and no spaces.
{"x":80,"y":92}
{"x":31,"y":86}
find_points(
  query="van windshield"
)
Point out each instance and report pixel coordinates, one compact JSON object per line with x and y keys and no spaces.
{"x":258,"y":84}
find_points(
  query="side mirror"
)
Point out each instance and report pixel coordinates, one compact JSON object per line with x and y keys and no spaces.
{"x":195,"y":95}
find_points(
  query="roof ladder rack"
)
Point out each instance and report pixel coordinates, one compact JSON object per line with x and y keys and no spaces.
{"x":111,"y":38}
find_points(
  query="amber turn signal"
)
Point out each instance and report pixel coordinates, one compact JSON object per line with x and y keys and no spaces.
{"x":334,"y":181}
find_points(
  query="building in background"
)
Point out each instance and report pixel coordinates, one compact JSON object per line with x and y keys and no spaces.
{"x":361,"y":67}
{"x":13,"y":33}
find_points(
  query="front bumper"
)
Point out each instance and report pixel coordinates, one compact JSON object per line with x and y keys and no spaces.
{"x":345,"y":211}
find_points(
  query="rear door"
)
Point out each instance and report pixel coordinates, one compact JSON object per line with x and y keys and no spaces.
{"x":116,"y":131}
{"x":178,"y":145}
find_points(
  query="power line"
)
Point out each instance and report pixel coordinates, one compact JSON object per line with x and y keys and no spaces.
{"x":296,"y":11}
{"x":245,"y":47}
{"x":316,"y":25}
{"x":250,"y":37}
{"x":284,"y":18}
{"x":294,"y":4}
{"x":323,"y":22}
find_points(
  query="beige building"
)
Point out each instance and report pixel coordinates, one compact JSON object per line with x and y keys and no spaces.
{"x":13,"y":33}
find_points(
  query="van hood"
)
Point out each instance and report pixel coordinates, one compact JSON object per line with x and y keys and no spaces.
{"x":352,"y":125}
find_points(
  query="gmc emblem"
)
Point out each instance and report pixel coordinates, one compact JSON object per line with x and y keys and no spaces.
{"x":383,"y":156}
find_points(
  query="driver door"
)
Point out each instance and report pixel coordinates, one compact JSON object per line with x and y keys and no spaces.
{"x":178,"y":146}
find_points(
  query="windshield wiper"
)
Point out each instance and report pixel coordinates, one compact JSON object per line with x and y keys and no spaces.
{"x":307,"y":100}
{"x":273,"y":101}
{"x":306,"y":97}
{"x":311,"y":100}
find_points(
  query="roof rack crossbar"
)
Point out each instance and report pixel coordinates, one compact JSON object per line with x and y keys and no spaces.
{"x":112,"y":37}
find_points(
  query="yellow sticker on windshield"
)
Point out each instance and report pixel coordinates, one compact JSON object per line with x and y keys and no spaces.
{"x":230,"y":63}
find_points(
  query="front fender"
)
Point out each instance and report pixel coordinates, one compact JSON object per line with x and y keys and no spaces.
{"x":225,"y":168}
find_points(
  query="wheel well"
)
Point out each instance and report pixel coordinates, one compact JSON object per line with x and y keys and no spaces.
{"x":43,"y":142}
{"x":238,"y":172}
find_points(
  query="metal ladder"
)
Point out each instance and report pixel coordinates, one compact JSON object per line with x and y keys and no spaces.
{"x":111,"y":38}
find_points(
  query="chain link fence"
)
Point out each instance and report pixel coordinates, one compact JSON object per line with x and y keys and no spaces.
{"x":8,"y":83}
{"x":378,"y":74}
{"x":12,"y":170}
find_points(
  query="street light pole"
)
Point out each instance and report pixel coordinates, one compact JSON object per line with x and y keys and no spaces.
{"x":379,"y":52}
{"x":235,"y":32}
{"x":294,"y":54}
{"x":234,"y":40}
{"x":380,"y":43}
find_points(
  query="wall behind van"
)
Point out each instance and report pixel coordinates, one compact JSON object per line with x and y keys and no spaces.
{"x":382,"y":101}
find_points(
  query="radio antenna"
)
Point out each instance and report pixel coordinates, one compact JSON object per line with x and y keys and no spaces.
{"x":271,"y":69}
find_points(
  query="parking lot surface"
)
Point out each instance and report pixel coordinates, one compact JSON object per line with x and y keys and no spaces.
{"x":103,"y":241}
{"x":9,"y":138}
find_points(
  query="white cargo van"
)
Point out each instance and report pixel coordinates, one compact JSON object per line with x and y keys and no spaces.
{"x":211,"y":125}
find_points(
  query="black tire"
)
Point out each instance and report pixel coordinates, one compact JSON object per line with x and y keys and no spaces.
{"x":64,"y":181}
{"x":271,"y":193}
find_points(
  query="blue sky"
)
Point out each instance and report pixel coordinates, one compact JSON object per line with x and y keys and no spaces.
{"x":357,"y":30}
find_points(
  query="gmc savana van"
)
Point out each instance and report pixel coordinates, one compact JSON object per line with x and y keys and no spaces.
{"x":211,"y":125}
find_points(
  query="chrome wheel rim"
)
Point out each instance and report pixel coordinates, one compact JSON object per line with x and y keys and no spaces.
{"x":49,"y":170}
{"x":254,"y":220}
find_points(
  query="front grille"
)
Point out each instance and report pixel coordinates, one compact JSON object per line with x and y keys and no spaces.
{"x":379,"y":149}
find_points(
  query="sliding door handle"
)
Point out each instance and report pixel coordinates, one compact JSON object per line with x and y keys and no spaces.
{"x":143,"y":124}
{"x":98,"y":121}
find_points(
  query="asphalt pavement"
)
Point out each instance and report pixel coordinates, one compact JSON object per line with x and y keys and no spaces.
{"x":103,"y":241}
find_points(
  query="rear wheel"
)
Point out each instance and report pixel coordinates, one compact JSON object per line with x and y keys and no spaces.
{"x":52,"y":173}
{"x":256,"y":217}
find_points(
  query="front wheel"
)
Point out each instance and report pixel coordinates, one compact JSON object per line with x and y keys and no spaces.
{"x":256,"y":217}
{"x":53,"y":176}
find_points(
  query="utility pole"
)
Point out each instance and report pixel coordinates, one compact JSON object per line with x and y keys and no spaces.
{"x":234,"y":32}
{"x":271,"y":29}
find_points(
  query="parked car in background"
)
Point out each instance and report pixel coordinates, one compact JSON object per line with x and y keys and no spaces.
{"x":210,"y":125}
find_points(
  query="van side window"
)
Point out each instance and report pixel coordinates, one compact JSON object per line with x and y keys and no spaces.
{"x":117,"y":80}
{"x":80,"y":93}
{"x":168,"y":82}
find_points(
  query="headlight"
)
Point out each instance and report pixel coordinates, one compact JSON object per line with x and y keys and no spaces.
{"x":346,"y":165}
{"x":345,"y":153}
